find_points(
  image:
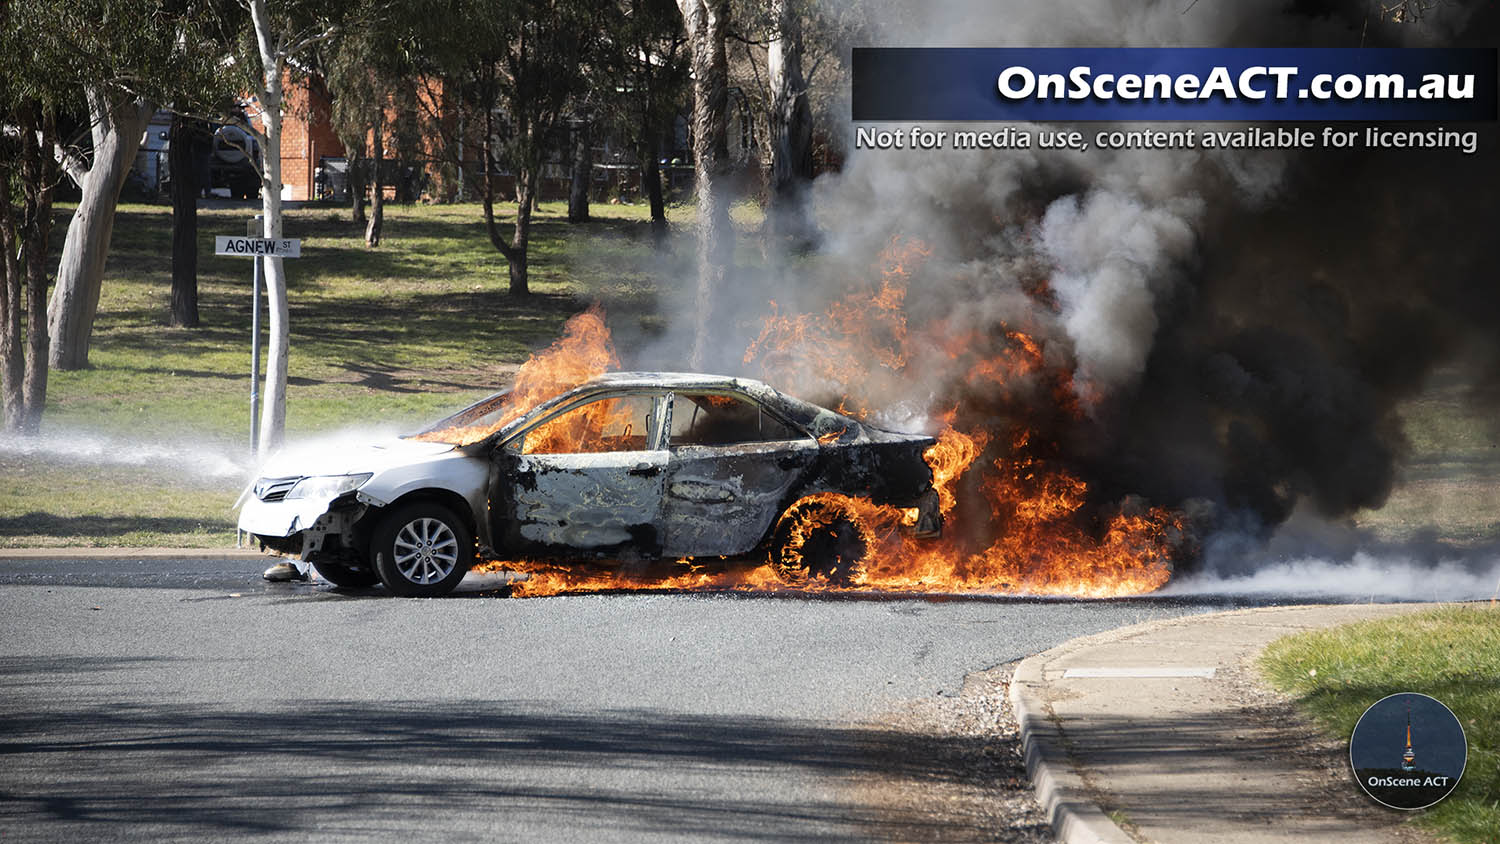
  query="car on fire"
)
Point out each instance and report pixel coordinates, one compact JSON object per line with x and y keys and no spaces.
{"x":627,"y":466}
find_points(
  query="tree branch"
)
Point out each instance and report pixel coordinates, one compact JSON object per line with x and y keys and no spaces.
{"x":70,"y":160}
{"x":307,"y":41}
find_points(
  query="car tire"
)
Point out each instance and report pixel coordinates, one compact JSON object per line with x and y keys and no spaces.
{"x":352,"y":577}
{"x":832,"y":547}
{"x":422,"y":550}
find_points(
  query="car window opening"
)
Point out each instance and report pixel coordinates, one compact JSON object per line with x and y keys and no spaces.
{"x":719,"y":420}
{"x":608,"y":425}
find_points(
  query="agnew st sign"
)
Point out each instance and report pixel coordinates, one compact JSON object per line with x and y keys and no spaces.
{"x":254,"y":247}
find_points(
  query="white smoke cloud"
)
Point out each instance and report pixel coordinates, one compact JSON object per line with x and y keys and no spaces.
{"x":1366,"y":576}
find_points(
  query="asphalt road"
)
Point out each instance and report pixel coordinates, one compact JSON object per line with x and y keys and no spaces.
{"x":187,"y":699}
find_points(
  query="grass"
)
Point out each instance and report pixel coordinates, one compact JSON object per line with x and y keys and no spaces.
{"x":389,"y":336}
{"x":1451,"y":653}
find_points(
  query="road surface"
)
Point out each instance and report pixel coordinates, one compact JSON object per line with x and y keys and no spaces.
{"x":188,"y":699}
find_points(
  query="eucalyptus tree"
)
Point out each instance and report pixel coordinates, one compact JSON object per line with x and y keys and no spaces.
{"x":118,"y":60}
{"x":645,"y":71}
{"x":369,"y":70}
{"x":515,"y":67}
{"x":78,"y":80}
{"x":280,"y":34}
{"x":707,"y":26}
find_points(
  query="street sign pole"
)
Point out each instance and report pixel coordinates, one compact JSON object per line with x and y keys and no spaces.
{"x":253,"y":230}
{"x":256,"y":247}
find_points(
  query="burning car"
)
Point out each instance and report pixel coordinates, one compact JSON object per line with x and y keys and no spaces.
{"x":626,"y":466}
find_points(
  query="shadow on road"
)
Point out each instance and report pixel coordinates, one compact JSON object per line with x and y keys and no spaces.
{"x":339,"y":769}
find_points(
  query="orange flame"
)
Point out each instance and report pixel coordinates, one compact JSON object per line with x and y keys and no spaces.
{"x":1016,"y":521}
{"x":584,"y":351}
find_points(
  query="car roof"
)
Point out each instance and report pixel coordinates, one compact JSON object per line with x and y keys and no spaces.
{"x":673,"y":379}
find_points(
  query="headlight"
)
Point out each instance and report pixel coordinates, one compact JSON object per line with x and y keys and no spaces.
{"x":327,"y":486}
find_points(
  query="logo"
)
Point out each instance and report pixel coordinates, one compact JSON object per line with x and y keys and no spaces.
{"x":1408,"y":751}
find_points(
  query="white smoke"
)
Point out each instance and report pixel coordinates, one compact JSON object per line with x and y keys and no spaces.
{"x":1365,"y":577}
{"x":1113,"y":257}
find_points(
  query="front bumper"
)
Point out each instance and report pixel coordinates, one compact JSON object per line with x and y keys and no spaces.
{"x":307,"y":529}
{"x":281,"y":518}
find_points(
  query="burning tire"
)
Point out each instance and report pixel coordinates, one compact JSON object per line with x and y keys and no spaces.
{"x":350,"y":576}
{"x":818,"y":539}
{"x":422,"y":550}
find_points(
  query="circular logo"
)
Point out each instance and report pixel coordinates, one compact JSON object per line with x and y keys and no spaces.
{"x":1408,"y":751}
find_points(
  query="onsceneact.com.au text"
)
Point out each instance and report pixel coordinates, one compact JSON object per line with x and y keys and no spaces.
{"x":1019,"y":82}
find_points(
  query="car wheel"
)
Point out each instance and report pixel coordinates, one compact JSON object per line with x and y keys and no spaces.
{"x":818,"y":539}
{"x":422,"y":550}
{"x":351,"y":576}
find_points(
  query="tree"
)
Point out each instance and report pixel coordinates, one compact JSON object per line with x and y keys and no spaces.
{"x":802,"y":45}
{"x":125,"y":57}
{"x":116,"y":123}
{"x":580,"y":136}
{"x":707,"y":24}
{"x":279,"y":38}
{"x":29,"y":173}
{"x":366,"y":68}
{"x":516,"y":65}
{"x":791,"y":115}
{"x":647,"y":72}
{"x":188,"y":139}
{"x":95,"y":62}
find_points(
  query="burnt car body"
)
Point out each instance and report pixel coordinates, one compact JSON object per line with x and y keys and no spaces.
{"x":626,"y":466}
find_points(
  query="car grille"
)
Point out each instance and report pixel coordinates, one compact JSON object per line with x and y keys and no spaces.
{"x":274,"y":489}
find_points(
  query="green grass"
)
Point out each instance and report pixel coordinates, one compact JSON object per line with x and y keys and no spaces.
{"x":1451,"y":653}
{"x":379,"y":337}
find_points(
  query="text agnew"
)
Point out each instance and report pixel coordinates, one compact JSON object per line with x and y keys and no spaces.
{"x":1253,"y":83}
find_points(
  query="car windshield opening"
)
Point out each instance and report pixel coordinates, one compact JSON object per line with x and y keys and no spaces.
{"x":481,"y":415}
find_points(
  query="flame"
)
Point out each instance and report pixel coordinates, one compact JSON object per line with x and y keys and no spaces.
{"x":1017,"y":519}
{"x":584,"y":351}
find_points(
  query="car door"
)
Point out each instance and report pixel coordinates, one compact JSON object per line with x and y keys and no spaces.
{"x":587,"y":477}
{"x":730,"y":465}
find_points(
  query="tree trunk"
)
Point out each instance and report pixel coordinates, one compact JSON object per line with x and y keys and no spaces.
{"x":583,"y":171}
{"x":707,"y":23}
{"x":791,"y":124}
{"x":356,"y":185}
{"x":36,"y":319}
{"x":515,"y":250}
{"x":520,"y":284}
{"x":651,"y":187}
{"x":377,"y":190}
{"x":273,"y":411}
{"x":24,"y":236}
{"x":185,"y":139}
{"x":117,"y":130}
{"x":13,"y":157}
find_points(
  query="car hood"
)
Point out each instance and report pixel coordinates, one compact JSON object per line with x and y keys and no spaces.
{"x":347,"y":457}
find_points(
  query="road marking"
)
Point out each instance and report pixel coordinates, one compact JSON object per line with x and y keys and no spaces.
{"x":1138,"y":672}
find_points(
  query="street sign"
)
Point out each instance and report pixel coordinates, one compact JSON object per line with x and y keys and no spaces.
{"x":258,"y":247}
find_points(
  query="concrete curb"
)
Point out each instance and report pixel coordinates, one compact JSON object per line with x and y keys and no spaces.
{"x":87,"y":553}
{"x":1074,"y":816}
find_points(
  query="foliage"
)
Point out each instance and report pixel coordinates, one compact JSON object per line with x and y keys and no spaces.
{"x":643,"y":72}
{"x":515,"y":67}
